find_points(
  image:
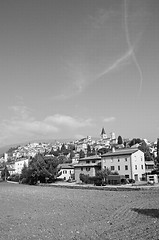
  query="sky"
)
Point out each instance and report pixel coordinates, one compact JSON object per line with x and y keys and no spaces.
{"x":70,"y":67}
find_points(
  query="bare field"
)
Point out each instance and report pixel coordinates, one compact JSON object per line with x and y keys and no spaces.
{"x":34,"y":212}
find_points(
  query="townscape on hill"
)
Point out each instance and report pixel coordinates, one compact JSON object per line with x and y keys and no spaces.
{"x":80,"y":160}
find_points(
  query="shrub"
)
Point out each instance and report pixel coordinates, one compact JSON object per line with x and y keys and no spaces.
{"x":131,"y":181}
{"x":24,"y":181}
{"x":14,"y":178}
{"x":96,"y":180}
{"x":84,"y":178}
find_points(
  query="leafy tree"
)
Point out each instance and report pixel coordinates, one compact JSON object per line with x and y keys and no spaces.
{"x":103,"y":174}
{"x":102,"y":150}
{"x":61,"y":159}
{"x":158,"y":149}
{"x":145,"y":149}
{"x":5,"y":173}
{"x":41,"y":168}
{"x":63,"y":148}
{"x":120,"y":140}
{"x":81,"y":154}
{"x":88,"y":150}
{"x":72,"y":154}
{"x":93,"y":151}
{"x":24,"y":172}
{"x":134,"y":141}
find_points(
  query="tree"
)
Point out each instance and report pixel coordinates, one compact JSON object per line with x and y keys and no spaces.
{"x":63,"y":148}
{"x":102,"y":150}
{"x":88,"y":150}
{"x":158,"y":149}
{"x":5,"y":173}
{"x":81,"y":154}
{"x":103,"y":174}
{"x":41,"y":168}
{"x":120,"y":140}
{"x":72,"y":154}
{"x":134,"y":141}
{"x":145,"y":149}
{"x":24,"y":172}
{"x":93,"y":151}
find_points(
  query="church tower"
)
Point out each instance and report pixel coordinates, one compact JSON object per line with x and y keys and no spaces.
{"x":103,"y":134}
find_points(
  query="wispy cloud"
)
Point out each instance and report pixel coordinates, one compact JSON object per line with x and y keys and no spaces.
{"x":116,"y":64}
{"x":79,"y":71}
{"x":109,"y":119}
{"x":130,"y":45}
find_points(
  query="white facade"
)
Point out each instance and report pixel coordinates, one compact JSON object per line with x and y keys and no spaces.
{"x":66,"y":171}
{"x":20,"y":164}
{"x":127,"y":162}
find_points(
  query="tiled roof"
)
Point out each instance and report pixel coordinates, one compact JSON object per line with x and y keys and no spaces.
{"x":94,"y":157}
{"x":127,"y":151}
{"x":87,"y":164}
{"x":65,"y":166}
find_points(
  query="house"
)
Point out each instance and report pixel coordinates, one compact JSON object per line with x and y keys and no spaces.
{"x":149,"y":167}
{"x":10,"y":169}
{"x":128,"y":162}
{"x":19,"y":164}
{"x":66,"y":171}
{"x":88,"y":166}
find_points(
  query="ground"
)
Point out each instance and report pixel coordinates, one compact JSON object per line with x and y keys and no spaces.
{"x":36,"y":212}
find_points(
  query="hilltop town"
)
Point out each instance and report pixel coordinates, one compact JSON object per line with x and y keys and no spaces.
{"x":87,"y":156}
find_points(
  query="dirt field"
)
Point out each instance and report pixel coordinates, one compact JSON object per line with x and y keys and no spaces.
{"x":31,"y":212}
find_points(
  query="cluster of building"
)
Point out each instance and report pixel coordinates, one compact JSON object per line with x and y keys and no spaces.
{"x":129,"y":162}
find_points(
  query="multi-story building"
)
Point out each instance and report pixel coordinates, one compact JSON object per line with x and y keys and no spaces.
{"x":66,"y":171}
{"x":128,"y":162}
{"x":88,"y":166}
{"x":19,"y":164}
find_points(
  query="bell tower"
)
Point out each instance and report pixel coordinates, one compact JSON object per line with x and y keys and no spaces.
{"x":103,"y":134}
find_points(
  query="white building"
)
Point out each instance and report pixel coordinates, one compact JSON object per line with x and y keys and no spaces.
{"x":66,"y":171}
{"x":127,"y":162}
{"x":19,"y":164}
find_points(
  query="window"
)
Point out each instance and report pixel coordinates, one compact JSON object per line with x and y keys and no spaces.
{"x":142,"y":167}
{"x":112,"y":168}
{"x":135,"y":167}
{"x":126,"y":176}
{"x":111,"y":159}
{"x":126,"y":159}
{"x":87,"y":169}
{"x":87,"y":161}
{"x":81,"y":168}
{"x":149,"y":166}
{"x":141,"y":158}
{"x":118,"y":168}
{"x":118,"y":160}
{"x":93,"y":161}
{"x":126,"y":167}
